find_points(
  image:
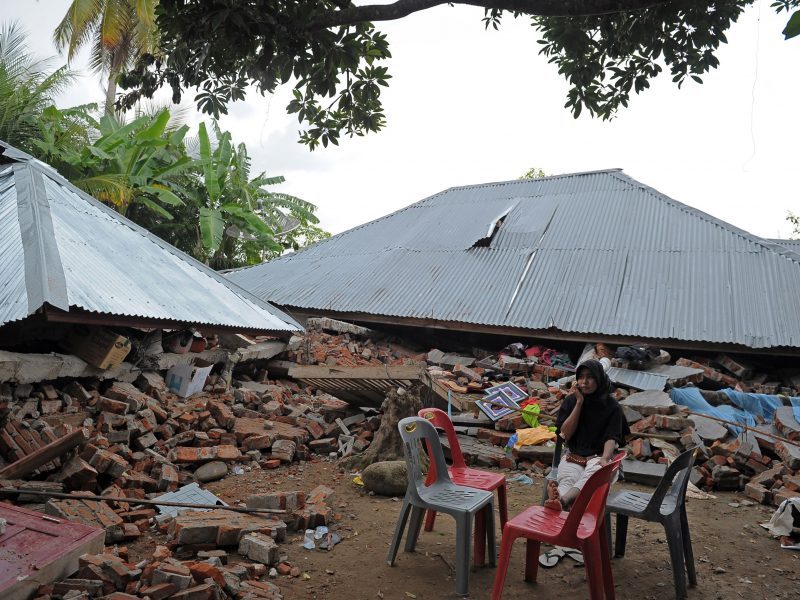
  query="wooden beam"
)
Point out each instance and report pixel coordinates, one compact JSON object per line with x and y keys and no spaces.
{"x":44,"y":455}
{"x":411,"y":372}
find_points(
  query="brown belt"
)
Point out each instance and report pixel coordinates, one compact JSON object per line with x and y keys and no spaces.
{"x":577,"y":459}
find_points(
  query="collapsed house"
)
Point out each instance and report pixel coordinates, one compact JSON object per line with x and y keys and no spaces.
{"x":592,"y":256}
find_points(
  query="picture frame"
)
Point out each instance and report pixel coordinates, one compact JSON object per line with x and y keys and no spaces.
{"x":512,"y":391}
{"x":497,"y":396}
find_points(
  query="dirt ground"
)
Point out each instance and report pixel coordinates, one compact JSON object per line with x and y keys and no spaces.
{"x":735,"y":557}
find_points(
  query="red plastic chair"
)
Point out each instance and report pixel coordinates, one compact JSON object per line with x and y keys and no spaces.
{"x":583,"y":527}
{"x":461,"y":474}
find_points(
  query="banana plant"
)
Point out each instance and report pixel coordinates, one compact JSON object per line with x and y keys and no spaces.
{"x":239,"y":221}
{"x":129,"y":163}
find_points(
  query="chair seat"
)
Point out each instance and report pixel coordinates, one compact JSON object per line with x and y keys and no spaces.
{"x":475,"y":478}
{"x":447,"y":496}
{"x":548,"y":524}
{"x":634,"y":504}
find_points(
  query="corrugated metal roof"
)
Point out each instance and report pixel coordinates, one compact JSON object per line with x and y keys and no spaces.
{"x":62,"y":247}
{"x":587,"y":253}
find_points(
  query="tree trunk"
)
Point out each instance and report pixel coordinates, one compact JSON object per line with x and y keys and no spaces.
{"x":387,"y":443}
{"x":111,"y":92}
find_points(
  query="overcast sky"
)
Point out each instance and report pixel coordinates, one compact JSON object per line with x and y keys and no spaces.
{"x":469,"y":106}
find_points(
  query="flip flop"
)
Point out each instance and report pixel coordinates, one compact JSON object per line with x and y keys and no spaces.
{"x":573,"y":553}
{"x":550,"y":558}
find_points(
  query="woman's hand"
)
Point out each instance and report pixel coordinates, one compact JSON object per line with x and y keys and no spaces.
{"x":604,"y":461}
{"x":578,"y":394}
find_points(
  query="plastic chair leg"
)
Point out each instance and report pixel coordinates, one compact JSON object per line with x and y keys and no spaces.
{"x":622,"y":535}
{"x":604,"y":541}
{"x":491,"y":538}
{"x":593,"y":562}
{"x":688,"y":553}
{"x":463,"y":541}
{"x":502,"y":505}
{"x":532,"y":549}
{"x":398,"y":532}
{"x":479,"y":539}
{"x":430,"y":518}
{"x":414,"y":528}
{"x":608,"y":532}
{"x":507,"y":542}
{"x":672,"y":527}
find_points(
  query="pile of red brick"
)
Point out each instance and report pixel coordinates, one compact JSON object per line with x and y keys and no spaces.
{"x":347,"y":350}
{"x":144,"y":440}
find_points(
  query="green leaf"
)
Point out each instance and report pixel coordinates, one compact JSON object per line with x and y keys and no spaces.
{"x":792,"y":28}
{"x":209,"y":174}
{"x":211,"y":228}
{"x":156,"y":129}
{"x":99,"y":153}
{"x":154,"y":207}
{"x":165,"y":195}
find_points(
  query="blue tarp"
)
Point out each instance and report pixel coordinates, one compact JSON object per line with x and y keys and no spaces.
{"x":747,"y":406}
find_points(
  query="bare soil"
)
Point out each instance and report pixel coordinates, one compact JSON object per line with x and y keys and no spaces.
{"x":735,"y":557}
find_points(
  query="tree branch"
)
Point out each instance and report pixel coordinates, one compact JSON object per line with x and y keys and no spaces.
{"x":542,"y":8}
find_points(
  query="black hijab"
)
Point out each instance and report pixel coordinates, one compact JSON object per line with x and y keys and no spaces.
{"x":601,"y":417}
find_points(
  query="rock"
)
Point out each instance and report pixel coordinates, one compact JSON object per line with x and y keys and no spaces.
{"x":211,"y":471}
{"x":708,"y":429}
{"x":650,"y":403}
{"x":388,"y":478}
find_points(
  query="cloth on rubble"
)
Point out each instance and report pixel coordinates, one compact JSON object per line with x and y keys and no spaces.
{"x":747,"y":407}
{"x":637,"y":356}
{"x":785,"y":518}
{"x":601,"y":418}
{"x":761,"y":405}
{"x":530,"y":412}
{"x":533,"y":436}
{"x":692,"y":399}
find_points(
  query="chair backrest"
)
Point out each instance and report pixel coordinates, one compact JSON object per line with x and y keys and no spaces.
{"x":414,"y":430}
{"x":591,"y":501}
{"x":438,"y":418}
{"x":674,"y":482}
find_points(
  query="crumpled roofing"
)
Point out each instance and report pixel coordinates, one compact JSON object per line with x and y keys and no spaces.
{"x":61,"y":247}
{"x":585,"y":253}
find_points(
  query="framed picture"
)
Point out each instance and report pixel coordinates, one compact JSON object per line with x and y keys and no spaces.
{"x":490,"y":404}
{"x":512,"y":391}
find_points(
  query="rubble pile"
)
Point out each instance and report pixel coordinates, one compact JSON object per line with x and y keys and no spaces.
{"x":765,"y":468}
{"x":333,"y":343}
{"x":138,"y":441}
{"x":144,"y":441}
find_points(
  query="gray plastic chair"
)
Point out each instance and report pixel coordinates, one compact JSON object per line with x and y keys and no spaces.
{"x":667,"y":505}
{"x":443,"y":496}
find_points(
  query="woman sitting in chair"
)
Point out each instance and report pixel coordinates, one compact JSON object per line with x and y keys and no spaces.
{"x":593,"y":425}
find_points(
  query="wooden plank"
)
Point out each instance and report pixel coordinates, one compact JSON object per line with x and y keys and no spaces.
{"x":43,"y":455}
{"x":411,"y":372}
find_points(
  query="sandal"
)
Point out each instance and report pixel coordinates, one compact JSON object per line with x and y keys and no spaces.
{"x":573,"y":553}
{"x":550,"y":558}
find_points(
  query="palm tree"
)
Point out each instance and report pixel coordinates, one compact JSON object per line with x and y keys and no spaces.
{"x":120,"y":31}
{"x":26,"y":88}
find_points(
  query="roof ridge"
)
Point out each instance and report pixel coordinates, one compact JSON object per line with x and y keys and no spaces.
{"x":413,"y":204}
{"x":696,"y":212}
{"x":535,"y":179}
